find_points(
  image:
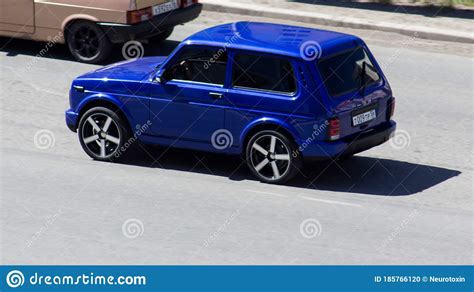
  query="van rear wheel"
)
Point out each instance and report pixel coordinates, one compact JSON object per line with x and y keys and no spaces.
{"x":272,"y":157}
{"x":87,"y":42}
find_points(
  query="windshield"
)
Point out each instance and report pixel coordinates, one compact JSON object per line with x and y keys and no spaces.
{"x":348,"y":71}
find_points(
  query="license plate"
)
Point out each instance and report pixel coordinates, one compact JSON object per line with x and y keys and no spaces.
{"x":363,"y":117}
{"x":165,"y":7}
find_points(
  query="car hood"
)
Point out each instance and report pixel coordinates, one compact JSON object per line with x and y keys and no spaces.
{"x":137,"y":70}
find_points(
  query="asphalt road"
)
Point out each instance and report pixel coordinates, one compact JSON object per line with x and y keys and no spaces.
{"x":405,"y":202}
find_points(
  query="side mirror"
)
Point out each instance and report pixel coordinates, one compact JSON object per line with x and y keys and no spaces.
{"x":159,"y":77}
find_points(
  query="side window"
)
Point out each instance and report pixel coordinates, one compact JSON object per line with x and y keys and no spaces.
{"x":199,"y":64}
{"x":263,"y":72}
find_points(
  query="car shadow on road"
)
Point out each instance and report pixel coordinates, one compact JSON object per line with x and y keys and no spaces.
{"x":15,"y":47}
{"x":360,"y":174}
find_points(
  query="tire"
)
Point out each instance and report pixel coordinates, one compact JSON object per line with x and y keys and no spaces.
{"x":277,"y":166}
{"x":87,"y":42}
{"x":161,"y":36}
{"x":101,"y":141}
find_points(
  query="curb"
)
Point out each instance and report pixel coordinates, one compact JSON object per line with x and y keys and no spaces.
{"x":418,"y":31}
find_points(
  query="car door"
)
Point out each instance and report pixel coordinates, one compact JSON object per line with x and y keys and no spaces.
{"x":187,"y":103}
{"x":17,"y":16}
{"x":261,"y":85}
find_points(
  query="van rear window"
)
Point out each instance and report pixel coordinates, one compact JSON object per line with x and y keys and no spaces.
{"x":348,"y":71}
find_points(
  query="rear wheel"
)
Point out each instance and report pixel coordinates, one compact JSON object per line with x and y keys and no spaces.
{"x":102,"y":134}
{"x":270,"y":157}
{"x":161,"y":36}
{"x":87,"y":42}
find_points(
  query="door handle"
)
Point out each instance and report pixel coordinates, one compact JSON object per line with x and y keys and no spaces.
{"x":215,"y":95}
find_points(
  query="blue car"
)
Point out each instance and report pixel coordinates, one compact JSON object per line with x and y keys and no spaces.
{"x":276,"y":94}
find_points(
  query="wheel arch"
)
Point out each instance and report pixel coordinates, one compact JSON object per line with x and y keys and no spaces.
{"x":267,"y":124}
{"x":110,"y":103}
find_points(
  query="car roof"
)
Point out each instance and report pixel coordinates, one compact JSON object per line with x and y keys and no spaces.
{"x":273,"y":38}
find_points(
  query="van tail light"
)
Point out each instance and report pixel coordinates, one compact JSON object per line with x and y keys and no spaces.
{"x":334,"y":131}
{"x":187,"y":3}
{"x":137,"y":16}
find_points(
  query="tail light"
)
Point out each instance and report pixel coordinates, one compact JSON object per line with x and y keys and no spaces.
{"x":392,"y":108}
{"x":187,"y":3}
{"x":334,"y":131}
{"x":136,"y":16}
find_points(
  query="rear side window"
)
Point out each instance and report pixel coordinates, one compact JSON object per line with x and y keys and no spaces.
{"x":347,"y":72}
{"x":263,"y":73}
{"x":199,"y":64}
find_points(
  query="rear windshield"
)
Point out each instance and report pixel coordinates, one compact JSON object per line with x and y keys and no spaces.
{"x":348,"y":71}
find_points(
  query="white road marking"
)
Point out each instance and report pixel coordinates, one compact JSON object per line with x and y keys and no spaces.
{"x":330,"y":201}
{"x":268,"y":193}
{"x":307,"y":198}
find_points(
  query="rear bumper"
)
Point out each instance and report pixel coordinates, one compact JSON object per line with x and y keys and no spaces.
{"x":351,"y":145}
{"x":120,"y":33}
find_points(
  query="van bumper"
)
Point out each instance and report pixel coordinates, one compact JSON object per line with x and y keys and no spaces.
{"x":350,"y":145}
{"x":120,"y":33}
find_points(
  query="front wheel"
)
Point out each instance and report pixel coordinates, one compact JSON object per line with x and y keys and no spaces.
{"x":272,"y":157}
{"x":102,"y":134}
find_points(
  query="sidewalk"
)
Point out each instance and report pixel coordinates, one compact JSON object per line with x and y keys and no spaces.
{"x":428,"y":27}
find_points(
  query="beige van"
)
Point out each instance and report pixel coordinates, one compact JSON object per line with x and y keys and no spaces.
{"x":90,"y":27}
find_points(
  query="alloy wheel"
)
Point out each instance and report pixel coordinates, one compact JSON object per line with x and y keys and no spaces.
{"x":270,"y":157}
{"x":101,"y":135}
{"x":86,"y":43}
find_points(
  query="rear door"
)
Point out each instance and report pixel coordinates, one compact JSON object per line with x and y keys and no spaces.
{"x":17,"y":16}
{"x":356,"y":90}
